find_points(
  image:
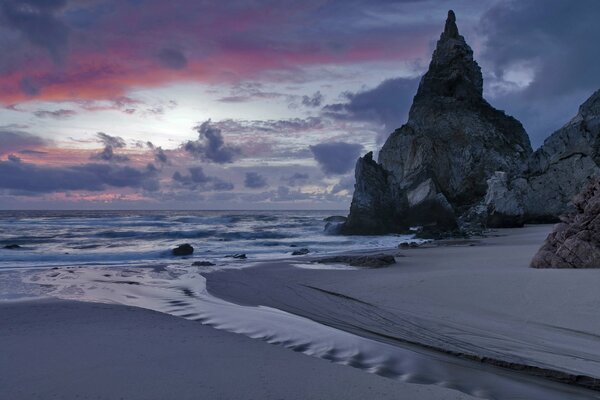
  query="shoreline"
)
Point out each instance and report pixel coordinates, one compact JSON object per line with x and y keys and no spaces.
{"x":281,"y":284}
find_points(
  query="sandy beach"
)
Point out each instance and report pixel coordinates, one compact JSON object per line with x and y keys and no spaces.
{"x":435,"y":325}
{"x":56,"y":349}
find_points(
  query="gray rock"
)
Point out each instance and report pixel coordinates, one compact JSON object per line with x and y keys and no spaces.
{"x":556,"y":172}
{"x":575,"y":243}
{"x":435,"y":168}
{"x":183,"y":250}
{"x":371,"y":261}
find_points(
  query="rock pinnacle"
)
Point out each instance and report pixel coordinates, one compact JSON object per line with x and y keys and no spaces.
{"x":450,"y":30}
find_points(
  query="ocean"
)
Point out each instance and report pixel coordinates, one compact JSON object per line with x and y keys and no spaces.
{"x":123,"y":239}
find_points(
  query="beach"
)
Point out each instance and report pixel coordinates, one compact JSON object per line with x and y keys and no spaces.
{"x":56,"y":349}
{"x":450,"y":319}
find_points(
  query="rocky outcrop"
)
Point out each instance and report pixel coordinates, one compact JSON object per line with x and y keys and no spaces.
{"x":435,"y":168}
{"x":556,"y":172}
{"x":375,"y":204}
{"x":575,"y":243}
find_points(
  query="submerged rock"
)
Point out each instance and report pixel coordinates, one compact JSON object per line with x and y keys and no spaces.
{"x":575,"y":243}
{"x":370,"y":261}
{"x":203,"y":264}
{"x":183,"y":250}
{"x":435,"y":168}
{"x":12,"y":246}
{"x":239,"y":256}
{"x":300,"y":252}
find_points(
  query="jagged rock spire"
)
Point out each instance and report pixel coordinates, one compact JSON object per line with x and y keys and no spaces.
{"x":453,"y":73}
{"x":450,"y":30}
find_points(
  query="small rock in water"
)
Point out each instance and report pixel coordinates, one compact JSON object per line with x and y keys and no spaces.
{"x":239,"y":256}
{"x":202,"y":264}
{"x":301,"y":252}
{"x":372,"y":261}
{"x":12,"y":246}
{"x":408,"y":245}
{"x":183,"y":250}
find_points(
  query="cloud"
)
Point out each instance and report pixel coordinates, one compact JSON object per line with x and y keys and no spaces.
{"x":108,"y":153}
{"x":18,"y":141}
{"x":197,"y":179}
{"x":313,"y":101}
{"x":336,"y":158}
{"x":159,"y":154}
{"x":30,"y":178}
{"x":101,"y":52}
{"x":211,"y":146}
{"x":386,"y":105}
{"x":108,"y":140}
{"x":296,"y":179}
{"x":254,"y":180}
{"x":37,"y":21}
{"x":172,"y":58}
{"x":58,"y":114}
{"x":539,"y":70}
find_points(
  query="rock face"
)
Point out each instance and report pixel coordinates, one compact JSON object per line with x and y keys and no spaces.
{"x":557,"y":171}
{"x":435,"y":168}
{"x":575,"y":243}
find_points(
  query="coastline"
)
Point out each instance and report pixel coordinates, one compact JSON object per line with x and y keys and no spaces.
{"x":68,"y":349}
{"x":423,"y":300}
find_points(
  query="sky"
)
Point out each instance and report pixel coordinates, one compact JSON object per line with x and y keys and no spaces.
{"x":255,"y":104}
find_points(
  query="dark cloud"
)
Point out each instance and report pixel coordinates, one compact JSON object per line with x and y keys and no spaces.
{"x":197,"y":179}
{"x":58,"y":114}
{"x":550,"y":43}
{"x":211,"y":146}
{"x":109,"y":140}
{"x":17,"y":141}
{"x":38,"y":22}
{"x":336,"y":158}
{"x":313,"y":101}
{"x":30,"y":178}
{"x":159,"y":154}
{"x":296,"y":179}
{"x":254,"y":180}
{"x":386,"y":105}
{"x":108,"y":153}
{"x":172,"y":58}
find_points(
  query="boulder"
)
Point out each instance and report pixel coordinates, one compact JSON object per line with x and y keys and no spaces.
{"x":575,"y":242}
{"x":183,"y":250}
{"x":435,"y":168}
{"x":368,"y":261}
